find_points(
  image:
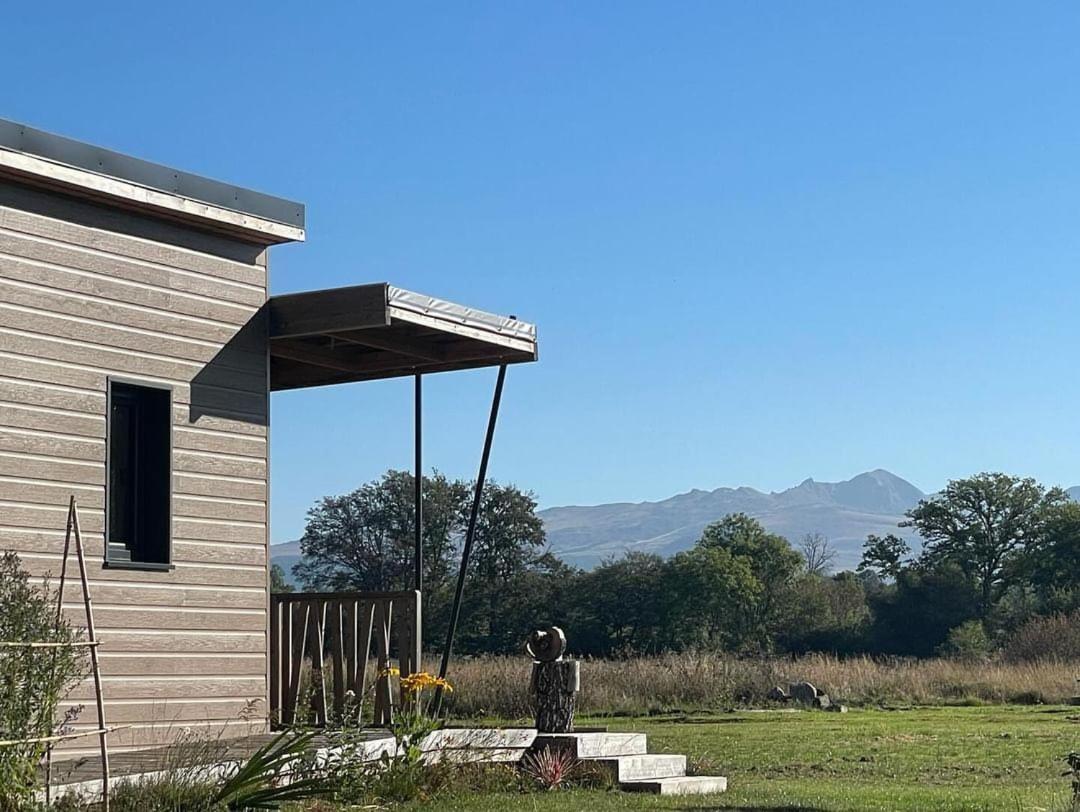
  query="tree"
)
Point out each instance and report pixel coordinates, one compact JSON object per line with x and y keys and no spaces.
{"x":884,"y":555}
{"x":364,"y":540}
{"x":832,"y":614}
{"x":509,"y":574}
{"x":278,"y":583}
{"x":818,"y":554}
{"x":983,"y":525}
{"x":1054,"y":562}
{"x":509,"y":534}
{"x":713,"y":599}
{"x":770,"y":558}
{"x":606,"y":622}
{"x":913,"y":617}
{"x":498,"y":614}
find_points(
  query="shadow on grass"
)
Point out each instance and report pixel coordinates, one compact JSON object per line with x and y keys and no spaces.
{"x":756,"y":808}
{"x":703,"y":720}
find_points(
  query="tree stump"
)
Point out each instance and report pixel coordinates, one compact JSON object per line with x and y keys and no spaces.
{"x":554,"y":688}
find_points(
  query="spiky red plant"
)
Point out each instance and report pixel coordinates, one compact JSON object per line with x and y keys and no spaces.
{"x":550,"y":768}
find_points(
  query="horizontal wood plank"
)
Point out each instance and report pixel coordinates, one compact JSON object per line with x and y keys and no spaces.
{"x":252,"y":555}
{"x":137,"y":593}
{"x":107,"y":616}
{"x":58,"y":470}
{"x":175,"y":709}
{"x":216,"y":486}
{"x":219,"y":442}
{"x":176,"y":642}
{"x":23,"y":416}
{"x":185,"y":573}
{"x":136,"y":736}
{"x":13,"y":390}
{"x":49,"y":493}
{"x":171,"y":687}
{"x":215,"y":530}
{"x":199,"y":463}
{"x":20,"y":441}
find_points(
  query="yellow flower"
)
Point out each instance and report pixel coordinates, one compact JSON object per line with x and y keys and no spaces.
{"x":390,"y":671}
{"x":421,"y":681}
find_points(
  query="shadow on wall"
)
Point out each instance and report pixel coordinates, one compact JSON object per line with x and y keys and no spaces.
{"x":235,"y":383}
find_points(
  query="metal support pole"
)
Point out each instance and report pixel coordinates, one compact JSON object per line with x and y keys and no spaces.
{"x":470,"y":535}
{"x":418,"y":494}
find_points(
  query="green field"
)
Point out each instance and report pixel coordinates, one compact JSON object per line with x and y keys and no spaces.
{"x":967,"y":758}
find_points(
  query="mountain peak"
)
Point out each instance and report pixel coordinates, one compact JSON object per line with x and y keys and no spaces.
{"x":878,"y":491}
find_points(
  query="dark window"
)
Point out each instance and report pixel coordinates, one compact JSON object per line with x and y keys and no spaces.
{"x":139,"y":481}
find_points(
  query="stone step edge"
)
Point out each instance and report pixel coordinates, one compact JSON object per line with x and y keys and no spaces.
{"x":592,"y":745}
{"x":640,"y":771}
{"x":677,"y":785}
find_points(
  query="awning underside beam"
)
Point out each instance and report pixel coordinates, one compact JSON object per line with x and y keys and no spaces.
{"x":368,"y":332}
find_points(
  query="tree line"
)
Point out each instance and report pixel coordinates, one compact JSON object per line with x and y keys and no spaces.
{"x":997,"y":552}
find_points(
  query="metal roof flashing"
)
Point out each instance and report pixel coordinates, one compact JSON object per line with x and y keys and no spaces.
{"x":96,"y":172}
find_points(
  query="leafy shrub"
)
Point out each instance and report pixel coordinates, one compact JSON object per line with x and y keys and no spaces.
{"x":404,"y":775}
{"x":164,"y":793}
{"x":192,"y":779}
{"x":33,"y":681}
{"x":968,"y":642}
{"x":1056,"y":637}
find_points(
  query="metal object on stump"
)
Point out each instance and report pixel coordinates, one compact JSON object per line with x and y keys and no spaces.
{"x":555,"y":681}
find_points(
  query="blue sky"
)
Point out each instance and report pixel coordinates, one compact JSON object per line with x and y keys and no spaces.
{"x":761,"y":241}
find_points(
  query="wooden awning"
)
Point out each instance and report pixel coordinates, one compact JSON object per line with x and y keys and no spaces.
{"x":368,"y":332}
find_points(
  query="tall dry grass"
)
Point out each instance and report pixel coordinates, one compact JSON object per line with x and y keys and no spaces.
{"x":498,"y":686}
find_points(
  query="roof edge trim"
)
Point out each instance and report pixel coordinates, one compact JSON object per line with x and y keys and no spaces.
{"x":91,"y":171}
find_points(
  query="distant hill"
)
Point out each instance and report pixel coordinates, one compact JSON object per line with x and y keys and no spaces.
{"x":845,"y":512}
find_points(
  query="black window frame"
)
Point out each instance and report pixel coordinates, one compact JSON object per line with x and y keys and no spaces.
{"x":111,"y":563}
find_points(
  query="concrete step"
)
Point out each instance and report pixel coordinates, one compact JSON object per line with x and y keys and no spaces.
{"x":462,"y":745}
{"x":594,"y":745}
{"x":677,"y":785}
{"x":642,"y":767}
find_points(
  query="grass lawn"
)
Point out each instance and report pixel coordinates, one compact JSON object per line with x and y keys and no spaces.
{"x":984,"y":758}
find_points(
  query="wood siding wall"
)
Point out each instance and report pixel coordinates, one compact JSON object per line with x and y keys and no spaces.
{"x":87,"y":292}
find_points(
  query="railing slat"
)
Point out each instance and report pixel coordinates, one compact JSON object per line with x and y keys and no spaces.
{"x":366,"y":615}
{"x":301,"y":614}
{"x":337,"y":655}
{"x":318,"y":659}
{"x":275,"y":660}
{"x":384,"y":616}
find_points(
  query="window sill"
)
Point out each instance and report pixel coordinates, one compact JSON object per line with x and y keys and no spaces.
{"x":149,"y":566}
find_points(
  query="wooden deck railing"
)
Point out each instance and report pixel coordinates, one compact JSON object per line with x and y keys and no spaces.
{"x":348,"y":639}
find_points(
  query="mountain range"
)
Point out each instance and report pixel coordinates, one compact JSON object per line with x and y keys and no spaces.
{"x":844,"y":512}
